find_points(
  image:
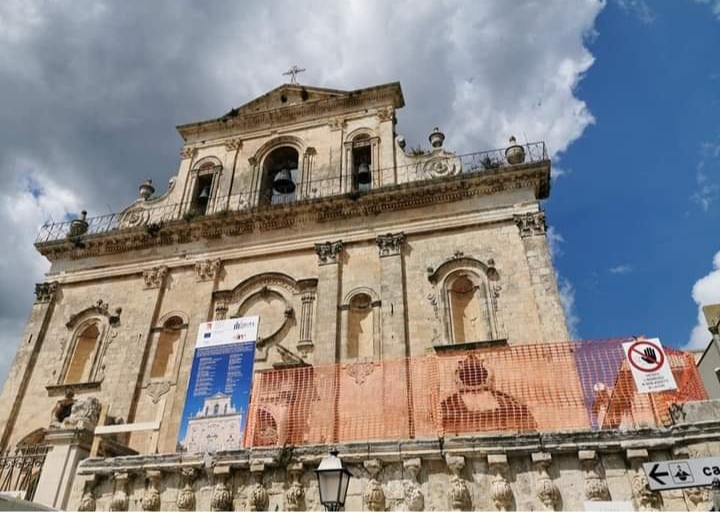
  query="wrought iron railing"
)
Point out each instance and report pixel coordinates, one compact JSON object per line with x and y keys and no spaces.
{"x":20,"y":471}
{"x":426,"y":167}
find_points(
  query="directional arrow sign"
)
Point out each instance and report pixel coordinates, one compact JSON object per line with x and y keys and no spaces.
{"x":677,"y":474}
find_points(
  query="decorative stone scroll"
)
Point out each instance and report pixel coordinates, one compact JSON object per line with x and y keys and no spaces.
{"x":531,"y":224}
{"x":500,"y":492}
{"x":414,"y":498}
{"x":221,"y":310}
{"x":390,"y":244}
{"x":257,"y":500}
{"x":151,"y":495}
{"x":328,"y":252}
{"x":186,"y":497}
{"x":234,"y":144}
{"x":596,"y":489}
{"x":207,"y":270}
{"x":222,"y":498}
{"x":87,"y":502}
{"x":154,"y":277}
{"x":374,"y":496}
{"x":119,"y":502}
{"x":645,"y":499}
{"x":546,"y":490}
{"x":187,"y":152}
{"x":45,"y":292}
{"x":295,"y":494}
{"x":458,"y":492}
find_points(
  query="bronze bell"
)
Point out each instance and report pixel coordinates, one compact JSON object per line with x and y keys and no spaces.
{"x":204,"y":194}
{"x":283,"y":183}
{"x":363,"y":174}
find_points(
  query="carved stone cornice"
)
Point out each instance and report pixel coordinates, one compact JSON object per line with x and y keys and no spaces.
{"x":154,"y":277}
{"x":328,"y":252}
{"x":45,"y":292}
{"x":390,"y":244}
{"x":531,"y":224}
{"x":382,"y":200}
{"x":207,"y":270}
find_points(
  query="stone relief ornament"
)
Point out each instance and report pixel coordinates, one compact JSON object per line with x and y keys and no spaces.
{"x":458,"y":492}
{"x":154,"y":277}
{"x":45,"y":292}
{"x":208,"y":269}
{"x":87,"y":502}
{"x":328,"y":252}
{"x":359,"y":371}
{"x":187,"y":152}
{"x":374,"y":496}
{"x":440,"y":166}
{"x":186,"y":497}
{"x":500,"y":491}
{"x":234,"y":144}
{"x":151,"y":495}
{"x":156,"y":390}
{"x":645,"y":499}
{"x":295,"y":494}
{"x":134,"y":218}
{"x":119,"y":502}
{"x":531,"y":224}
{"x":414,"y":498}
{"x":546,"y":490}
{"x":84,"y":414}
{"x":596,"y":488}
{"x":221,"y":310}
{"x":390,"y":244}
{"x":698,"y":498}
{"x":257,"y":500}
{"x":222,"y":498}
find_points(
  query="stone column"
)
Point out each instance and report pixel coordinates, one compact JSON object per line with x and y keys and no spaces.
{"x":392,"y":295}
{"x":328,"y":297}
{"x":69,"y":447}
{"x":22,"y":368}
{"x":553,"y":326}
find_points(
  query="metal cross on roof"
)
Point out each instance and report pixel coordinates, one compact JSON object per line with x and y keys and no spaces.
{"x":292,"y":72}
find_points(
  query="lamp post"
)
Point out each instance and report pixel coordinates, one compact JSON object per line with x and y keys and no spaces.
{"x":333,"y":481}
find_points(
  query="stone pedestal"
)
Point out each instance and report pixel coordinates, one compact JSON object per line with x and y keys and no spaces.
{"x":69,"y":447}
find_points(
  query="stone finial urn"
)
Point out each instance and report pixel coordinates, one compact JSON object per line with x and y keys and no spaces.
{"x":79,"y":226}
{"x":436,"y":138}
{"x":146,"y":189}
{"x":515,"y":154}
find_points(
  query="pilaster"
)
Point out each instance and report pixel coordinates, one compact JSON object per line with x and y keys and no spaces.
{"x":328,"y":299}
{"x":392,"y":294}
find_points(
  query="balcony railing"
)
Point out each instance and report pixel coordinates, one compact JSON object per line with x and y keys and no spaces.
{"x":425,"y":167}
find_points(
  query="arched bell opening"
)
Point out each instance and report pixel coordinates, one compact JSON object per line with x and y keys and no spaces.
{"x":280,"y":176}
{"x":361,"y":163}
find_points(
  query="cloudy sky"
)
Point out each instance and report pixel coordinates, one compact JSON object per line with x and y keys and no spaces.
{"x":625,"y":93}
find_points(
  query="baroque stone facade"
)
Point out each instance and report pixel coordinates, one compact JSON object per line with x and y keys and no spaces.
{"x":364,"y":252}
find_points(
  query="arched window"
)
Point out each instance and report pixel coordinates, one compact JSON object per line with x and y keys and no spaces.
{"x":362,"y":165}
{"x":166,"y":349}
{"x":204,"y":188}
{"x":360,"y":328}
{"x":83,"y":354}
{"x":469,"y":316}
{"x":280,"y":176}
{"x":216,"y":409}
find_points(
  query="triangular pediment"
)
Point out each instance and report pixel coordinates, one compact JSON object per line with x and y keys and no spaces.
{"x":285,"y":96}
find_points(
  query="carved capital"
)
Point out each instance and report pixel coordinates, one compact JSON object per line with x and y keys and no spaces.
{"x":186,"y":497}
{"x":336,"y":124}
{"x":546,"y":490}
{"x":221,"y":310}
{"x":188,"y":152}
{"x":390,"y":244}
{"x":119,"y":502}
{"x":207,"y":270}
{"x":458,"y":492}
{"x":385,"y":114}
{"x":374,"y":495}
{"x":531,"y":224}
{"x":414,"y":498}
{"x":222,"y":498}
{"x":45,"y":292}
{"x":234,"y":144}
{"x":295,"y":493}
{"x":596,"y":488}
{"x":154,"y":277}
{"x":328,"y":252}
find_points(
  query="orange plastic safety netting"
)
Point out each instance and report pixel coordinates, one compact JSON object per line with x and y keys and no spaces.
{"x":579,"y":385}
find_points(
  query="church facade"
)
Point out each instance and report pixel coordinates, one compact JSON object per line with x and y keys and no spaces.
{"x":362,"y":258}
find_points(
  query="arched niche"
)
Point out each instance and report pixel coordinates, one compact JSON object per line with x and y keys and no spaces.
{"x":467,"y":289}
{"x":360,"y":325}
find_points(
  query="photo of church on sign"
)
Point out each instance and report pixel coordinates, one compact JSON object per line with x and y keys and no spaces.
{"x":216,"y":427}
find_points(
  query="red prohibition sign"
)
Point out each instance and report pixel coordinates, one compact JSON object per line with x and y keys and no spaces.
{"x":640,"y":360}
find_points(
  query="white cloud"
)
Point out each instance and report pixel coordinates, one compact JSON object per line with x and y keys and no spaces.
{"x":639,"y":9}
{"x":714,"y":6}
{"x":706,"y":291}
{"x":707,"y":176}
{"x":623,"y":268}
{"x":565,"y":287}
{"x":555,"y":241}
{"x":92,"y":90}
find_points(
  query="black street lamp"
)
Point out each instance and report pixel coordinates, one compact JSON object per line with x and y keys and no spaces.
{"x":333,"y":481}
